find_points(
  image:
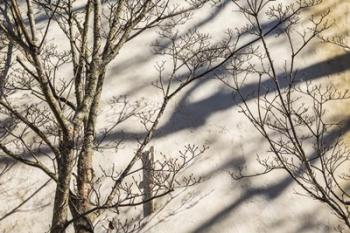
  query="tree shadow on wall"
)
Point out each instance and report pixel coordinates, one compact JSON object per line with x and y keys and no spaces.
{"x":270,"y":192}
{"x":190,"y":115}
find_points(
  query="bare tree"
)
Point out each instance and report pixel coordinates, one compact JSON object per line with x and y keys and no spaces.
{"x":60,"y":123}
{"x":57,"y":131}
{"x":289,"y":112}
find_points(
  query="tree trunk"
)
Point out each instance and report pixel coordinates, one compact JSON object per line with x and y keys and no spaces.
{"x":84,"y":183}
{"x":6,"y":68}
{"x":65,"y":167}
{"x":85,"y":168}
{"x":83,"y":223}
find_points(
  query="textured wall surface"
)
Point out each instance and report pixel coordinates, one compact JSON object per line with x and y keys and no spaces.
{"x":204,"y":114}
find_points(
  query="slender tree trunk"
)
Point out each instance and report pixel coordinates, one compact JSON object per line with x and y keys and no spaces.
{"x":85,"y":168}
{"x":4,"y":70}
{"x":65,"y":166}
{"x":84,"y":182}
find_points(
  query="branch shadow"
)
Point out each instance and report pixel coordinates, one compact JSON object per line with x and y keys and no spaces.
{"x":270,"y":192}
{"x":201,"y":110}
{"x":221,"y":100}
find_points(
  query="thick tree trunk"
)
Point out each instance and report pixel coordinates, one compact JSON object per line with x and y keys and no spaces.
{"x":84,"y":183}
{"x":84,"y":178}
{"x":83,"y":223}
{"x":65,"y":167}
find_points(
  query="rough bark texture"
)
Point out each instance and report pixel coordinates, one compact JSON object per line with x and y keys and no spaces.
{"x":5,"y":67}
{"x":65,"y":167}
